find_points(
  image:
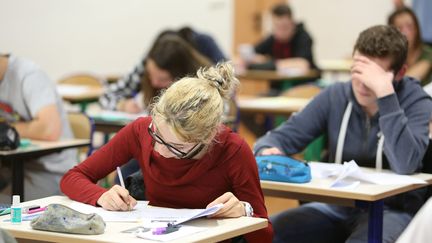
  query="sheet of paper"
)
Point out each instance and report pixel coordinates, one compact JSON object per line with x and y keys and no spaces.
{"x":348,"y":170}
{"x":69,"y":89}
{"x":113,"y":216}
{"x":150,"y":216}
{"x":116,"y":115}
{"x":324,"y":170}
{"x":158,"y":217}
{"x":182,"y":232}
{"x":352,"y":171}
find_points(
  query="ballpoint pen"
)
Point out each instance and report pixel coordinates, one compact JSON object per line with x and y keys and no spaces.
{"x":122,"y":184}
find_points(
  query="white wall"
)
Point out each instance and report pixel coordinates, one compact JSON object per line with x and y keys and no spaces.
{"x":110,"y":36}
{"x":335,"y":24}
{"x":102,"y":36}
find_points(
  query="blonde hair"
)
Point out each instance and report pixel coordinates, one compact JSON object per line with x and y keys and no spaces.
{"x":193,"y":106}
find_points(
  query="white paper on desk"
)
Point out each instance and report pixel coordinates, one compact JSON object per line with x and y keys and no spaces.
{"x":182,"y":232}
{"x":70,"y":89}
{"x":324,"y":170}
{"x":349,"y":172}
{"x":116,"y":115}
{"x":389,"y":178}
{"x":159,"y":217}
{"x":134,"y":215}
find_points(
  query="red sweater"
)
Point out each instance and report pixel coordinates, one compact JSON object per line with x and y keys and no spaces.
{"x":229,"y":166}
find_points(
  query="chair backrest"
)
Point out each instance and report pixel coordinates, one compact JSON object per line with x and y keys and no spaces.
{"x":82,"y":79}
{"x":82,"y":127}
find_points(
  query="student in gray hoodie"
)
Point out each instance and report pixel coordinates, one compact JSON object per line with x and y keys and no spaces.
{"x":379,"y":119}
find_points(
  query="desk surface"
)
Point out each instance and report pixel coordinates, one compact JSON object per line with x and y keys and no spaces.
{"x":276,"y":76}
{"x":79,"y":93}
{"x":39,"y":146}
{"x":219,"y":229}
{"x":271,"y":105}
{"x":335,"y":65}
{"x":319,"y":190}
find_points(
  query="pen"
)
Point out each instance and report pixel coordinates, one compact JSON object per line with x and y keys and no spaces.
{"x":28,"y":208}
{"x":5,"y":211}
{"x":36,"y":210}
{"x":119,"y":174}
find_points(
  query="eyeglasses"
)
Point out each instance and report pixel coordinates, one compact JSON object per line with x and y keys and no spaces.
{"x":177,"y":152}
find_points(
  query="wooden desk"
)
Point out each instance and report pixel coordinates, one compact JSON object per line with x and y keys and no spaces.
{"x":368,"y":196}
{"x":270,"y":75}
{"x":336,"y":65}
{"x":271,"y":105}
{"x":18,"y":157}
{"x":109,"y":126}
{"x":219,"y":229}
{"x":80,"y":94}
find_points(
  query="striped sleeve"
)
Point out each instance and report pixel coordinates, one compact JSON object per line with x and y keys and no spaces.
{"x":126,"y":87}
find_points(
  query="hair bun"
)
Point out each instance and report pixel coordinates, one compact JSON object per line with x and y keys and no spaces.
{"x":220,"y":76}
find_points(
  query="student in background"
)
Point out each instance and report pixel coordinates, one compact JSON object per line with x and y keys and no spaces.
{"x":385,"y":111}
{"x":188,"y":157}
{"x":35,"y":110}
{"x":204,"y":43}
{"x":170,"y":58}
{"x":289,"y":46}
{"x":419,"y":58}
{"x":422,"y":9}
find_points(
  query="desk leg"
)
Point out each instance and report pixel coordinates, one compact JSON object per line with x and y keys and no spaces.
{"x":375,"y":224}
{"x":18,"y":179}
{"x":376,"y":221}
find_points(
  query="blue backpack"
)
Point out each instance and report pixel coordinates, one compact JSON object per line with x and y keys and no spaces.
{"x":283,"y":168}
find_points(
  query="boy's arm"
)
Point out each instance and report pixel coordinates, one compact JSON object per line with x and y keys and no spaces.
{"x":46,"y":125}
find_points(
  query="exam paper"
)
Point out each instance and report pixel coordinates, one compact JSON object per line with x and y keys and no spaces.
{"x":350,"y":174}
{"x":136,"y":214}
{"x":150,"y":216}
{"x":157,"y":217}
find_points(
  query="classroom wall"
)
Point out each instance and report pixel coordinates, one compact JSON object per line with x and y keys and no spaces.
{"x":110,"y":36}
{"x":102,"y":36}
{"x":335,"y":24}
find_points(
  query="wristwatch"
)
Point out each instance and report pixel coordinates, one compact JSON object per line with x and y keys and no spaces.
{"x":248,"y":209}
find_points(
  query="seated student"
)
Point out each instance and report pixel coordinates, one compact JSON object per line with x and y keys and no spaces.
{"x":169,"y":58}
{"x":422,"y":10}
{"x":289,"y":46}
{"x":419,"y":58}
{"x":212,"y":164}
{"x":378,"y":104}
{"x":35,"y":110}
{"x":204,"y":43}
